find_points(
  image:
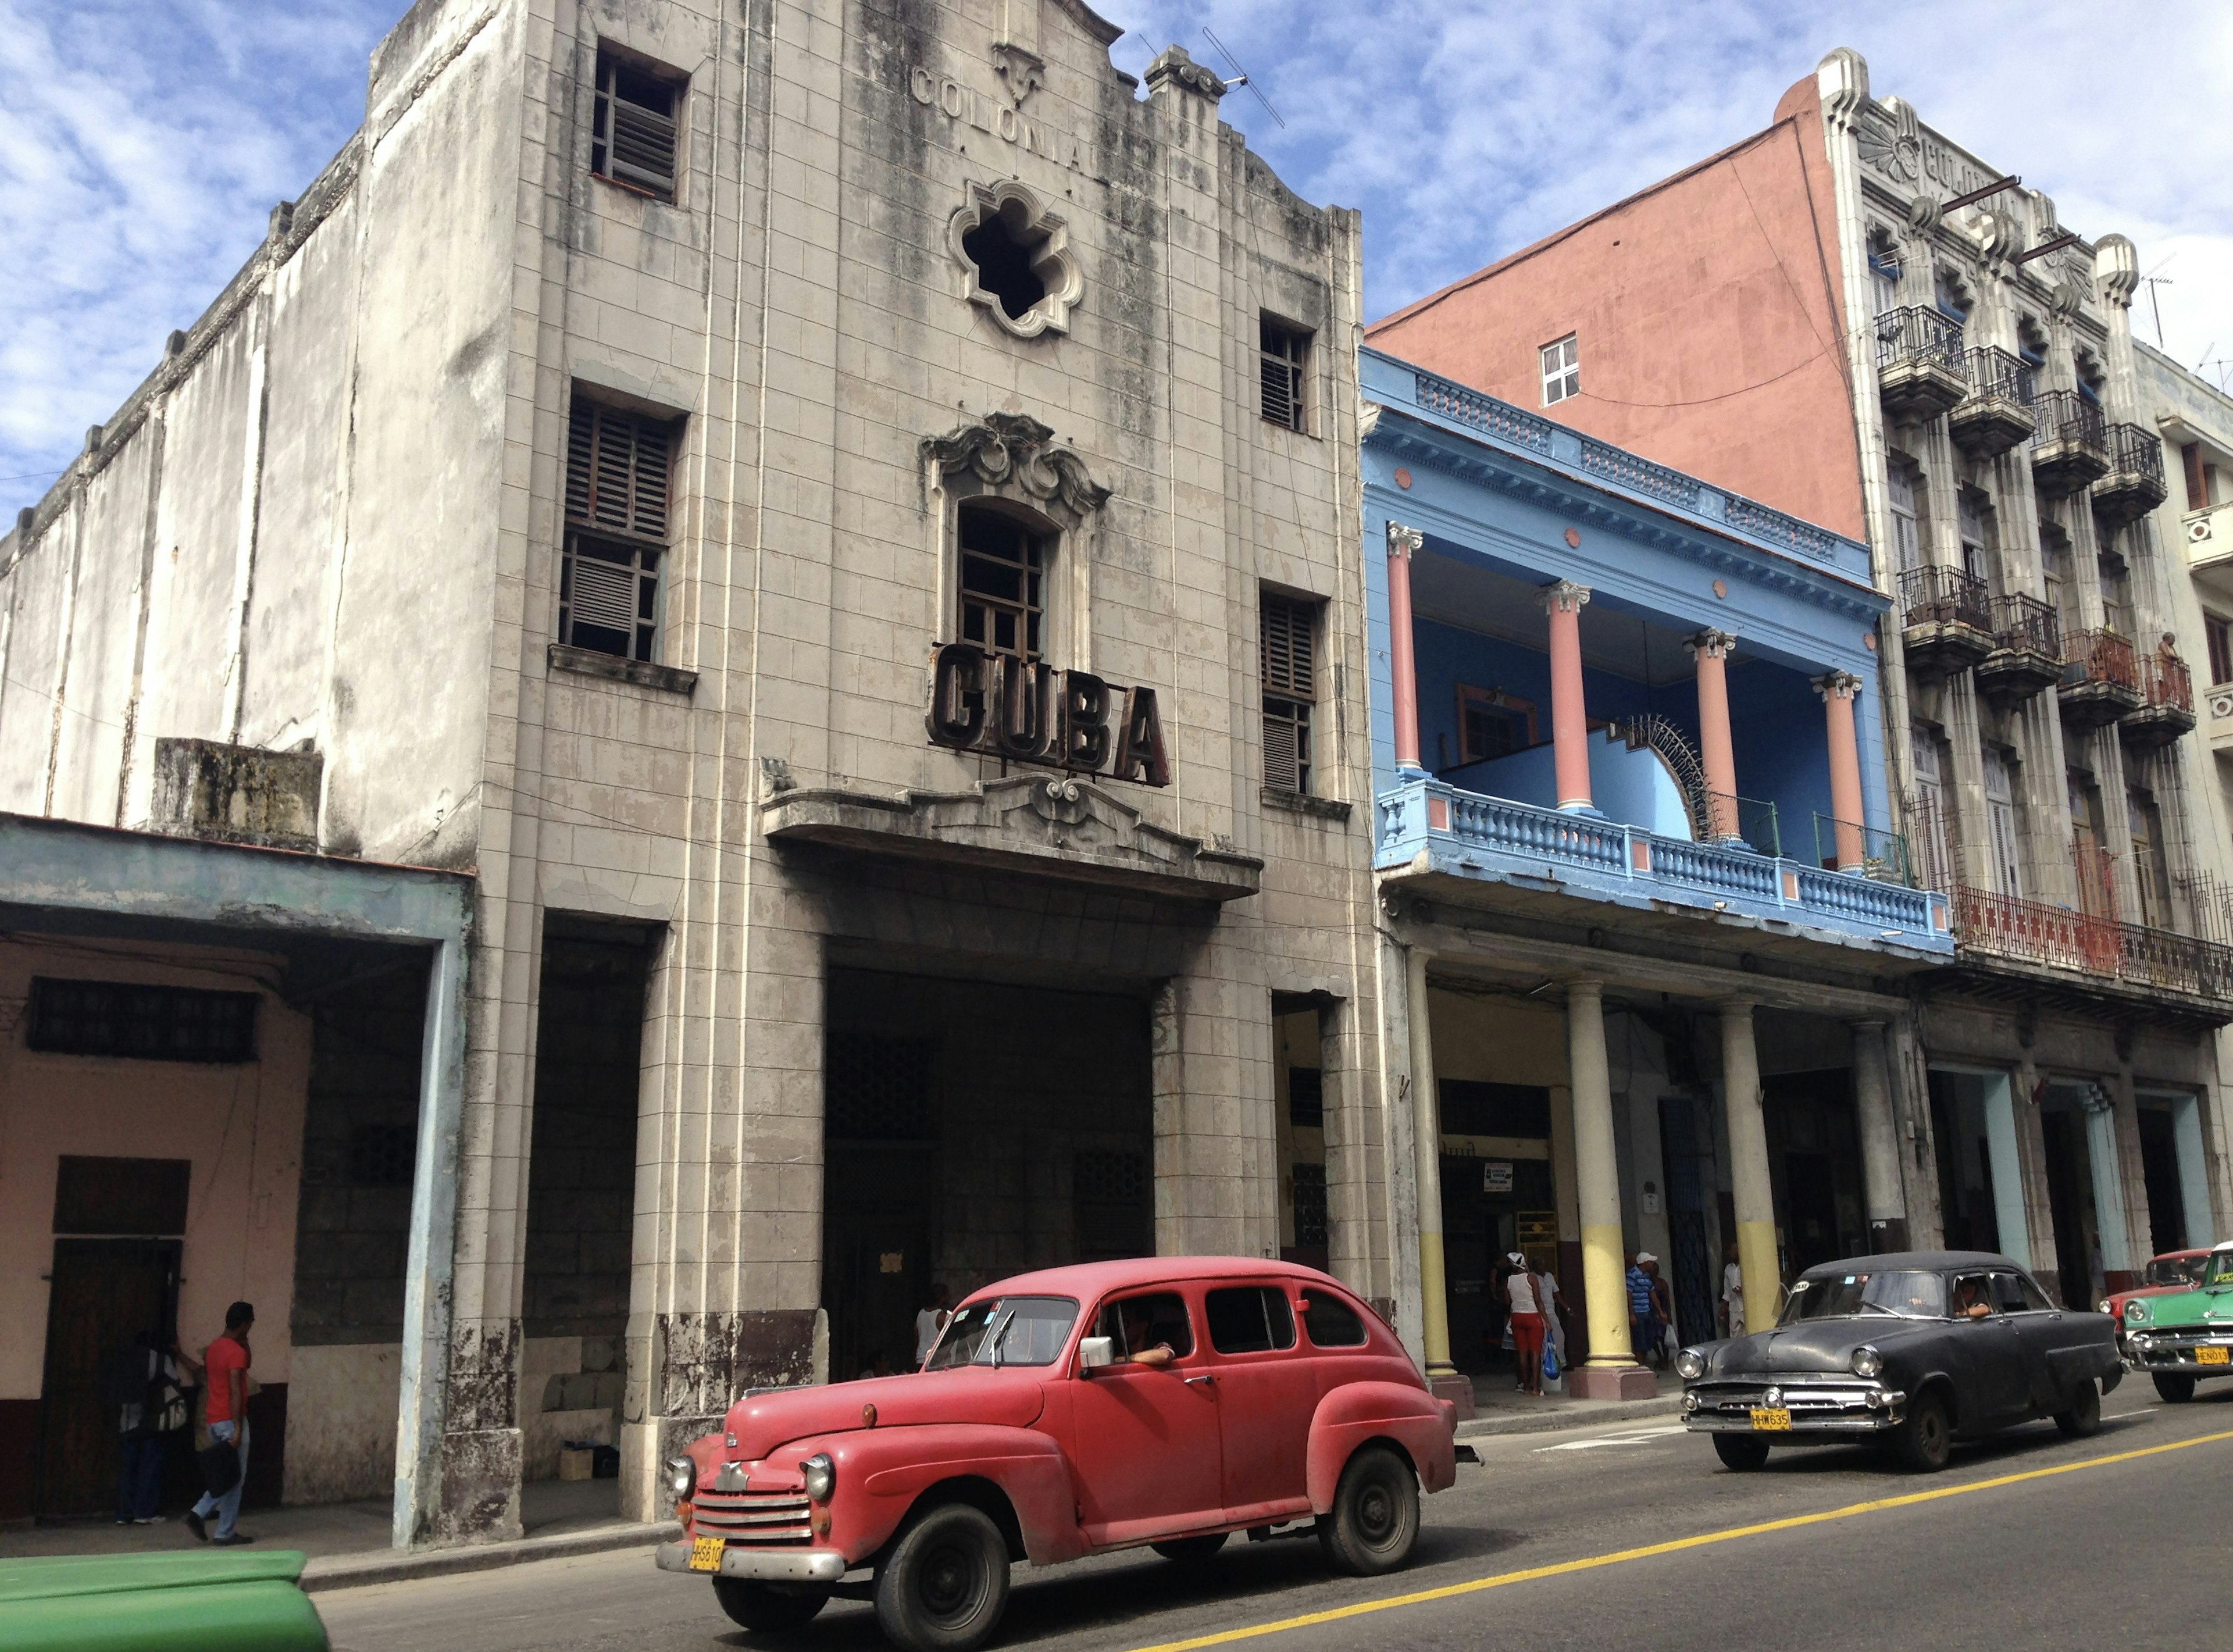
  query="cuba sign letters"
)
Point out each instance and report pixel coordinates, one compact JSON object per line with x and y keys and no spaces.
{"x":1027,"y":712}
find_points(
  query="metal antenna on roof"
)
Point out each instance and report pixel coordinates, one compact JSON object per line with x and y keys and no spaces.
{"x":1239,"y":78}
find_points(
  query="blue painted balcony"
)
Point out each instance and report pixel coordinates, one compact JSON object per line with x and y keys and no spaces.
{"x":1426,"y":825}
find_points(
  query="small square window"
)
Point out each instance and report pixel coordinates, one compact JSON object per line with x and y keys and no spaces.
{"x":636,"y":128}
{"x":1492,"y":724}
{"x":1562,"y":370}
{"x":1284,"y":356}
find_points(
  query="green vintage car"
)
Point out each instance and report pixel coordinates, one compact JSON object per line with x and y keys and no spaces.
{"x":2182,"y":1338}
{"x":193,"y":1601}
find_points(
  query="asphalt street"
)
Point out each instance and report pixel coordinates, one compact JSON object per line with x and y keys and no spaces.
{"x":1623,"y":1536}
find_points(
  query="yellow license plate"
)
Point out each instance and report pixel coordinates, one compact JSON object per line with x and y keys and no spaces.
{"x":705,"y":1553}
{"x":1773,"y":1420}
{"x":2213,"y":1357}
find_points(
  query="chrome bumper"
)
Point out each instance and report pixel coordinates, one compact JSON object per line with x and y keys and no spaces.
{"x":1844,"y":1408}
{"x":762,"y":1565}
{"x":2175,"y":1351}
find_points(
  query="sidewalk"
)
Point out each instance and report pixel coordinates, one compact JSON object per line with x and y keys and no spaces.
{"x":347,"y":1542}
{"x":1500,"y":1408}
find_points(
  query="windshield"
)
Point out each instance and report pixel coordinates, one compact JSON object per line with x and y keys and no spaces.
{"x":2176,"y":1270}
{"x":2221,"y":1268}
{"x":1839,"y":1296}
{"x":1030,"y":1331}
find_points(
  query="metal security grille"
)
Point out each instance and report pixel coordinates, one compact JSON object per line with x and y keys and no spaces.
{"x":1310,"y":1206}
{"x":881,"y":1088}
{"x":618,"y":470}
{"x":1111,"y":1198}
{"x":1283,"y":353}
{"x":1306,"y":1096}
{"x":147,"y":1023}
{"x":633,"y":138}
{"x":1286,"y":637}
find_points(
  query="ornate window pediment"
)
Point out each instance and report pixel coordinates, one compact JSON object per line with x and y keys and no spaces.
{"x":1014,"y":452}
{"x":1017,"y":257}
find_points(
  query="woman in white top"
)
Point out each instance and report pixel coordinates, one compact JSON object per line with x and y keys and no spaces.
{"x":1527,"y":1324}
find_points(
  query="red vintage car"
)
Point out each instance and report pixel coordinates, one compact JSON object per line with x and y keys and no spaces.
{"x":2172,"y":1270}
{"x":1166,"y":1402}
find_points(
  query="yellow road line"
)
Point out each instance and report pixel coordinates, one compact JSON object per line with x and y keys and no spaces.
{"x":1449,"y":1591}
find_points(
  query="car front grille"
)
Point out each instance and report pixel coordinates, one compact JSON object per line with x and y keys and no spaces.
{"x":1800,"y":1399}
{"x":757,"y":1517}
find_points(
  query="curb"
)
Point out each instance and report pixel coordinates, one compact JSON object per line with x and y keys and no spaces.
{"x":1554,"y":1422}
{"x":399,"y":1565}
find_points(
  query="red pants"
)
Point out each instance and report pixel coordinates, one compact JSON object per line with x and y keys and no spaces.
{"x":1527,"y":1343}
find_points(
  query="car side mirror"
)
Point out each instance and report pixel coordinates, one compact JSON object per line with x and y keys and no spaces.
{"x":1093,"y":1352}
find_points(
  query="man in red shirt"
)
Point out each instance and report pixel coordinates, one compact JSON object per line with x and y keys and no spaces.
{"x":227,"y":1364}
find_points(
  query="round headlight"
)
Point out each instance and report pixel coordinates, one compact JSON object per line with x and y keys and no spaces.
{"x":1867,"y":1362}
{"x":1690,"y":1364}
{"x":2136,"y":1311}
{"x":821,"y":1476}
{"x":682,"y":1476}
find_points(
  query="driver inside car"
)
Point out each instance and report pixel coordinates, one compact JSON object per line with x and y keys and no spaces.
{"x":1137,"y":1322}
{"x":1970,"y":1298}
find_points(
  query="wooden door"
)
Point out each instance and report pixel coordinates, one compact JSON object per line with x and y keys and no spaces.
{"x":105,"y":1293}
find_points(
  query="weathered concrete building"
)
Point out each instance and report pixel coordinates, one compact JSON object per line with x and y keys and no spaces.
{"x":1849,"y":317}
{"x":833,"y":522}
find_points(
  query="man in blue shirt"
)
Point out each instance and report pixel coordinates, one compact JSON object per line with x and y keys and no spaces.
{"x":1643,"y":1321}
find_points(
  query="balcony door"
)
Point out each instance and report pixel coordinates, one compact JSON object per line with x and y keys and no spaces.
{"x":2001,"y":822}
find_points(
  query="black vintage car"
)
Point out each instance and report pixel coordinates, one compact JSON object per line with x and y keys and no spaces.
{"x":1915,"y":1350}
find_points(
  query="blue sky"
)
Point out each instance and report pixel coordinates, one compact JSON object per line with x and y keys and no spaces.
{"x":144,"y":142}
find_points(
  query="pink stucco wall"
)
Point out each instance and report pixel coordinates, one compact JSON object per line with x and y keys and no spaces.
{"x":240,"y":1126}
{"x":1709,"y":315}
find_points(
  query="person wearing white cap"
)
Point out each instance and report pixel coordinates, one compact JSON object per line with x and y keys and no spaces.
{"x":1644,"y":1320}
{"x":1527,"y":1324}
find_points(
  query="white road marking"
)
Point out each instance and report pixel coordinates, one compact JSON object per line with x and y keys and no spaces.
{"x":1641,"y":1437}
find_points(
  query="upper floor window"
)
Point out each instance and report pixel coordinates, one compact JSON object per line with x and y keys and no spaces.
{"x":1906,"y":516}
{"x":2220,"y":633}
{"x":618,"y":465}
{"x":1282,"y":360}
{"x":2090,"y":376}
{"x":1971,"y":510}
{"x":635,"y":130}
{"x":1883,"y":272}
{"x":1002,"y":582}
{"x":1288,"y":635}
{"x":1492,"y":724}
{"x":1562,"y":369}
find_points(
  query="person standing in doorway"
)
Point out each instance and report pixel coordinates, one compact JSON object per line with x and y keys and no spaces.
{"x":147,"y":1381}
{"x":1733,"y":1319}
{"x":1642,"y":1339}
{"x":930,"y":1325}
{"x":1527,"y":1324}
{"x":226,"y":1363}
{"x":1662,"y":1311}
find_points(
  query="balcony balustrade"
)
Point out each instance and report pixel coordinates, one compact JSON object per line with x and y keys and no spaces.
{"x":1996,"y":413}
{"x":1921,"y":369}
{"x":2100,"y":680}
{"x":1499,"y":839}
{"x":2134,"y":484}
{"x":2027,"y":656}
{"x":1946,"y":620}
{"x":2166,"y":707}
{"x":2069,"y":442}
{"x":2209,"y":535}
{"x":2036,"y":932}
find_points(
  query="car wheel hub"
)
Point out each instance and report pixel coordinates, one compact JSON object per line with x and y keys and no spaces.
{"x":1375,"y":1514}
{"x":948,"y":1584}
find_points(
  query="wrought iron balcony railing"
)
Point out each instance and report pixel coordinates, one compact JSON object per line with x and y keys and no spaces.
{"x":1914,"y":332}
{"x":2096,"y":944}
{"x":2066,"y":416}
{"x":2028,"y":625}
{"x":2166,"y":681}
{"x":1944,"y":596}
{"x":1995,"y":373}
{"x":2136,"y":451}
{"x":2102,"y":656}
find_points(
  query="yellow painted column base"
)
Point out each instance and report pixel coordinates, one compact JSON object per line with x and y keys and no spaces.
{"x":1763,"y":1277}
{"x":1604,"y":1275}
{"x":1435,"y":1306}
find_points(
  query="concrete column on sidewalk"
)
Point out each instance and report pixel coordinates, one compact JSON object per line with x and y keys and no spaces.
{"x":1755,"y":1194}
{"x":1570,"y":727}
{"x":1611,"y":1372}
{"x":1882,"y":1189}
{"x":1427,"y":1143}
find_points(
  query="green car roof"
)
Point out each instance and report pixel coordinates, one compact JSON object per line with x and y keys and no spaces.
{"x":193,"y":1600}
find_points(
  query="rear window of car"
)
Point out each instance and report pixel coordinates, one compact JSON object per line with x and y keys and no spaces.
{"x":1249,"y":1319}
{"x":1137,"y":1325}
{"x":1330,"y":1322}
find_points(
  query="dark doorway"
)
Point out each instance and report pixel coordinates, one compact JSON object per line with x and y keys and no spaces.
{"x":1490,"y":1208}
{"x":2159,"y":1169}
{"x":973,"y":1130}
{"x":1814,"y":1143}
{"x":1965,"y":1163}
{"x":105,"y":1293}
{"x":2070,"y":1202}
{"x":581,"y":1188}
{"x":1810,"y":1189}
{"x":1689,"y":1172}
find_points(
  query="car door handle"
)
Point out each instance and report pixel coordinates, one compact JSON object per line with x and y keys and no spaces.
{"x":1205,"y":1380}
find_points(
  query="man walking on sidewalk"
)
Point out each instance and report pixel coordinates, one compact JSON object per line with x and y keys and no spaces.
{"x":227,"y":1364}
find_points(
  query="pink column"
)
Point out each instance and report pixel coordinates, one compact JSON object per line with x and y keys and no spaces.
{"x":1838,"y":689}
{"x":1711,"y":651}
{"x":1403,"y":544}
{"x":1570,"y":726}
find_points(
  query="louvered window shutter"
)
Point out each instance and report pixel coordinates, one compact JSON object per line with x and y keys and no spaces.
{"x":1278,"y":392}
{"x":1281,"y":772}
{"x":617,"y":468}
{"x":643,"y":146}
{"x":1285,"y":627}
